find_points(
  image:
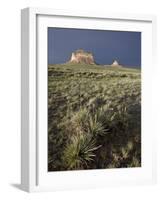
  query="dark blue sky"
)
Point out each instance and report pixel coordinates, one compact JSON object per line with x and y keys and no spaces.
{"x":106,"y":46}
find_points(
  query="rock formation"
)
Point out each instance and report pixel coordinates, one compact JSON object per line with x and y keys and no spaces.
{"x":115,"y":64}
{"x":82,"y":57}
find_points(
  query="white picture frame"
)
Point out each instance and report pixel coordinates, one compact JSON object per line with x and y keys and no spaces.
{"x":34,"y":176}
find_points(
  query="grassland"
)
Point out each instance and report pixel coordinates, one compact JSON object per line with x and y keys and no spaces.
{"x":94,"y":117}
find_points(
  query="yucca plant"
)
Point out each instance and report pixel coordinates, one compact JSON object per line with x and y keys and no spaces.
{"x":79,"y":120}
{"x":81,"y":116}
{"x":80,"y":152}
{"x":96,"y":126}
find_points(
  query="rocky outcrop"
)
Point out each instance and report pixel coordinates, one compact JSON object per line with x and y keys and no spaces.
{"x":82,"y":57}
{"x":115,"y":64}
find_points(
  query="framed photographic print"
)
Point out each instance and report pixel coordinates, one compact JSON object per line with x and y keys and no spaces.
{"x":86,"y":99}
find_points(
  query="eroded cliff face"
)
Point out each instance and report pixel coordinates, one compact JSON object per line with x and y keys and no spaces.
{"x":82,"y":57}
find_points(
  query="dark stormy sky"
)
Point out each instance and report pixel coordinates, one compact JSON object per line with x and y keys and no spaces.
{"x":106,"y":46}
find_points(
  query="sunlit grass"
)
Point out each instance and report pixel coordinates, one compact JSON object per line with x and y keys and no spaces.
{"x":93,"y":103}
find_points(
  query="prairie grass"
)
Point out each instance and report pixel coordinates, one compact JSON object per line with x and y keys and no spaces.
{"x":94,"y":117}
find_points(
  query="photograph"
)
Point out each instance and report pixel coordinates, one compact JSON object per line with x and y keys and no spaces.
{"x":94,"y":99}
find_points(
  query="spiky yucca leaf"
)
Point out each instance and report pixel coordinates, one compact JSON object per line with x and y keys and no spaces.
{"x":96,"y":125}
{"x":79,"y":119}
{"x":80,"y":152}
